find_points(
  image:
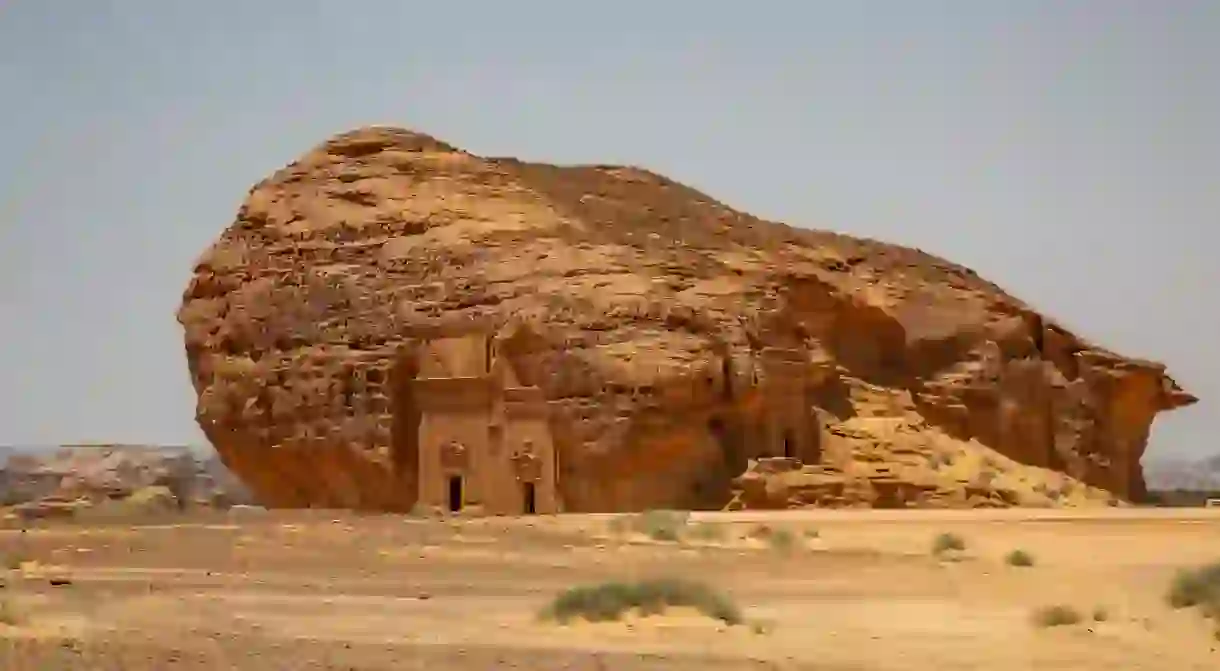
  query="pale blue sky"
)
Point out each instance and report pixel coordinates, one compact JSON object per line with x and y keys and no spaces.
{"x":1069,"y":151}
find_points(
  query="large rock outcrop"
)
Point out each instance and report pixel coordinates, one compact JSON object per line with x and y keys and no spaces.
{"x":97,"y":472}
{"x":680,"y":345}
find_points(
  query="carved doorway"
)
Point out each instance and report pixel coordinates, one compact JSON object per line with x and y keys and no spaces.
{"x":455,"y":493}
{"x":529,"y":494}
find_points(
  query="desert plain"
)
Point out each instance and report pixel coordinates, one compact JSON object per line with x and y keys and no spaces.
{"x":832,"y":590}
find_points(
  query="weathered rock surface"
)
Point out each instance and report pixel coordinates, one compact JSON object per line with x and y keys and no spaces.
{"x":646,"y":312}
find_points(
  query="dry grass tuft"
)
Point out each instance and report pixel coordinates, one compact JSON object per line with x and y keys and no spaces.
{"x":947,"y":542}
{"x":1197,"y":588}
{"x":1019,"y":558}
{"x":1058,"y":615}
{"x":659,"y":525}
{"x":612,"y":600}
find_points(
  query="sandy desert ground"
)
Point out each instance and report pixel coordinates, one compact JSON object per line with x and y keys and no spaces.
{"x":857,"y":590}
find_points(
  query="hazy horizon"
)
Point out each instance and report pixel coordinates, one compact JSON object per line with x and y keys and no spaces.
{"x":1066,"y":150}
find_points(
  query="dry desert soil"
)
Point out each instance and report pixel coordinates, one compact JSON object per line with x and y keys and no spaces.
{"x":855,"y":590}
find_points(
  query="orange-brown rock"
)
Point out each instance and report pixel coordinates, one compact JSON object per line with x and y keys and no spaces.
{"x":667,"y":341}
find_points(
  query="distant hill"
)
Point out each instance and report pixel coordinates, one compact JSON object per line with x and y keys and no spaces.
{"x":1183,"y":474}
{"x":33,"y":472}
{"x":8,"y":450}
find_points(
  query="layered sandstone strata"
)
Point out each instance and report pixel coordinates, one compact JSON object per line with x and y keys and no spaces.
{"x":671,"y":340}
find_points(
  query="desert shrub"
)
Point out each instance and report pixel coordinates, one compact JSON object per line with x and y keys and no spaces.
{"x":1056,"y":616}
{"x":1019,"y":558}
{"x":1100,"y":614}
{"x":612,"y":600}
{"x":661,"y":525}
{"x":948,"y":542}
{"x":1197,"y":587}
{"x":812,"y":533}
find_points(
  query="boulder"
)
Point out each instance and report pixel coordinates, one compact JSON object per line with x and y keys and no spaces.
{"x":388,"y":289}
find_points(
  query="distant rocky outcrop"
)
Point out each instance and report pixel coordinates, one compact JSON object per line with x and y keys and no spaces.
{"x":1184,"y":474}
{"x":67,"y":478}
{"x":682,"y":347}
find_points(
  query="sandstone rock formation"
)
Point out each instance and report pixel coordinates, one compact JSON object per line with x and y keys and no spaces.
{"x":673,"y":343}
{"x":92,"y":473}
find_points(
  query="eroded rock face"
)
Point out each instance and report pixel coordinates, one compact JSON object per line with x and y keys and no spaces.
{"x":674,"y":340}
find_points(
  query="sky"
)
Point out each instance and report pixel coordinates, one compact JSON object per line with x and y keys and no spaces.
{"x":1067,"y":150}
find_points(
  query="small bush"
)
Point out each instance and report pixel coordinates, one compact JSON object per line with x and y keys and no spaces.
{"x":661,"y":525}
{"x":611,"y":600}
{"x":1056,"y":616}
{"x":1019,"y":558}
{"x":948,"y":542}
{"x":812,"y":534}
{"x":1100,"y":614}
{"x":1197,"y":587}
